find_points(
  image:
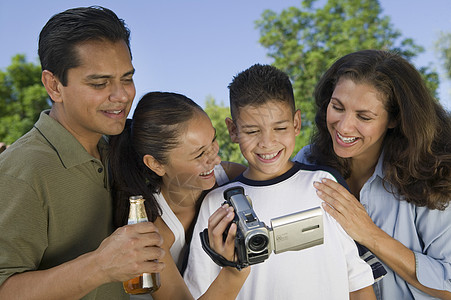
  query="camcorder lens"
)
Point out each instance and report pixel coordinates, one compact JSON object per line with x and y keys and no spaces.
{"x":258,"y":242}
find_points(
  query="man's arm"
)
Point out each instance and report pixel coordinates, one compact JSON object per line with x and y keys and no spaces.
{"x":127,"y":253}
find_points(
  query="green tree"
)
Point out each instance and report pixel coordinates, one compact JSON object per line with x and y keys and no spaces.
{"x":228,"y":151}
{"x":22,"y":98}
{"x":443,"y":47}
{"x":304,"y":41}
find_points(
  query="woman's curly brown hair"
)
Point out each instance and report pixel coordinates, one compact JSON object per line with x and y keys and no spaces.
{"x":417,"y":152}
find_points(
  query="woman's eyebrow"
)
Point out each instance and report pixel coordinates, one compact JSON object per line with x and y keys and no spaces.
{"x":360,"y":111}
{"x":202,"y":147}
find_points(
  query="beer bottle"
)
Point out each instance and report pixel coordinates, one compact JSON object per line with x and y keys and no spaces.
{"x":146,"y":282}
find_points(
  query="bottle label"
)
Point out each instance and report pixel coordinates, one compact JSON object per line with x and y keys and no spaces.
{"x":140,"y":220}
{"x":147,"y":281}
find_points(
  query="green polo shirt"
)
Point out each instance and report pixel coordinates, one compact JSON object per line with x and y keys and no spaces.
{"x":55,"y":203}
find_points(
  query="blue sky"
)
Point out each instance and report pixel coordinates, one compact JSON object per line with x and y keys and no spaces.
{"x":196,"y":47}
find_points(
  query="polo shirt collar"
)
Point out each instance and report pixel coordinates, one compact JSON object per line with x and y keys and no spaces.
{"x":70,"y":151}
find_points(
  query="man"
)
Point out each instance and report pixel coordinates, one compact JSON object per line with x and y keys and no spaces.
{"x":56,"y":216}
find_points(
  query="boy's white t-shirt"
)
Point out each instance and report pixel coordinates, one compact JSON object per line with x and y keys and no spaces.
{"x":327,"y":271}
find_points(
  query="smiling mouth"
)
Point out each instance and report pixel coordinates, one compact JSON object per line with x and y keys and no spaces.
{"x":207,"y":173}
{"x":115,"y":112}
{"x":346,"y":140}
{"x":268,"y":156}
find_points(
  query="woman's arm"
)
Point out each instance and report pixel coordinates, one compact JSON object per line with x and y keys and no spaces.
{"x":367,"y":293}
{"x":352,"y":216}
{"x":172,"y":284}
{"x":232,"y":169}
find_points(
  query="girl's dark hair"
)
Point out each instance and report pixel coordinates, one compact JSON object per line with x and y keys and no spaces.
{"x":157,"y":123}
{"x":417,"y":155}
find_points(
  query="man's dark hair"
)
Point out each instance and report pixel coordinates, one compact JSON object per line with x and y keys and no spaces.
{"x":64,"y":31}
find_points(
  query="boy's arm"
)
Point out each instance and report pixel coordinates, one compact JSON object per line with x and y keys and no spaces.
{"x":229,"y":281}
{"x":367,"y":293}
{"x":360,"y":273}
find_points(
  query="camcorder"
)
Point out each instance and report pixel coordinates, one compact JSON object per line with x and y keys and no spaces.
{"x":255,"y":241}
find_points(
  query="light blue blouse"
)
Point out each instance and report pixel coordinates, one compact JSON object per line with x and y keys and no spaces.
{"x":426,"y":232}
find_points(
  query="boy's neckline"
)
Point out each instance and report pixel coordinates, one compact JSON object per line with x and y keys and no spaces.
{"x":296,"y":167}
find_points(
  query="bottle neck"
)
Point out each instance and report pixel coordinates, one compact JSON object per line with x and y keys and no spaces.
{"x":137,"y":212}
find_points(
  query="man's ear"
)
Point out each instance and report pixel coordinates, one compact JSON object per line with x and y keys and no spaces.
{"x":154,"y":165}
{"x":52,"y":85}
{"x":297,"y":122}
{"x":233,"y":131}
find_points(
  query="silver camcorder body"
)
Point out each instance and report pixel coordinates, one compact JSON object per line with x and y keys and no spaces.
{"x":255,"y":241}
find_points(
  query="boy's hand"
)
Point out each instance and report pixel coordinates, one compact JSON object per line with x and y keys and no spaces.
{"x":217,"y":224}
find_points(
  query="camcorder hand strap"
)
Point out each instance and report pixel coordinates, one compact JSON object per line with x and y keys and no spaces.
{"x":217,"y":258}
{"x":376,"y":266}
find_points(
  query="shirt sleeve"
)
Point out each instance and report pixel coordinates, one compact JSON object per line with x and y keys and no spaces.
{"x":23,"y":223}
{"x":301,"y":156}
{"x":201,"y":271}
{"x":360,"y":274}
{"x":433,"y":264}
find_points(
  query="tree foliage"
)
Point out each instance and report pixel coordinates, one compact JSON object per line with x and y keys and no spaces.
{"x":443,"y":47}
{"x":228,"y":150}
{"x":22,"y":98}
{"x":304,"y":41}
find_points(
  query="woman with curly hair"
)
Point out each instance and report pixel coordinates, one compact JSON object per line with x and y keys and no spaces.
{"x":378,"y":124}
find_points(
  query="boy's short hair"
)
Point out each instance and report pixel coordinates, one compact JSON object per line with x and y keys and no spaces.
{"x":257,"y":85}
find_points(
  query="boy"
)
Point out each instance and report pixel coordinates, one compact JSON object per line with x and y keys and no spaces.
{"x":265,"y":123}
